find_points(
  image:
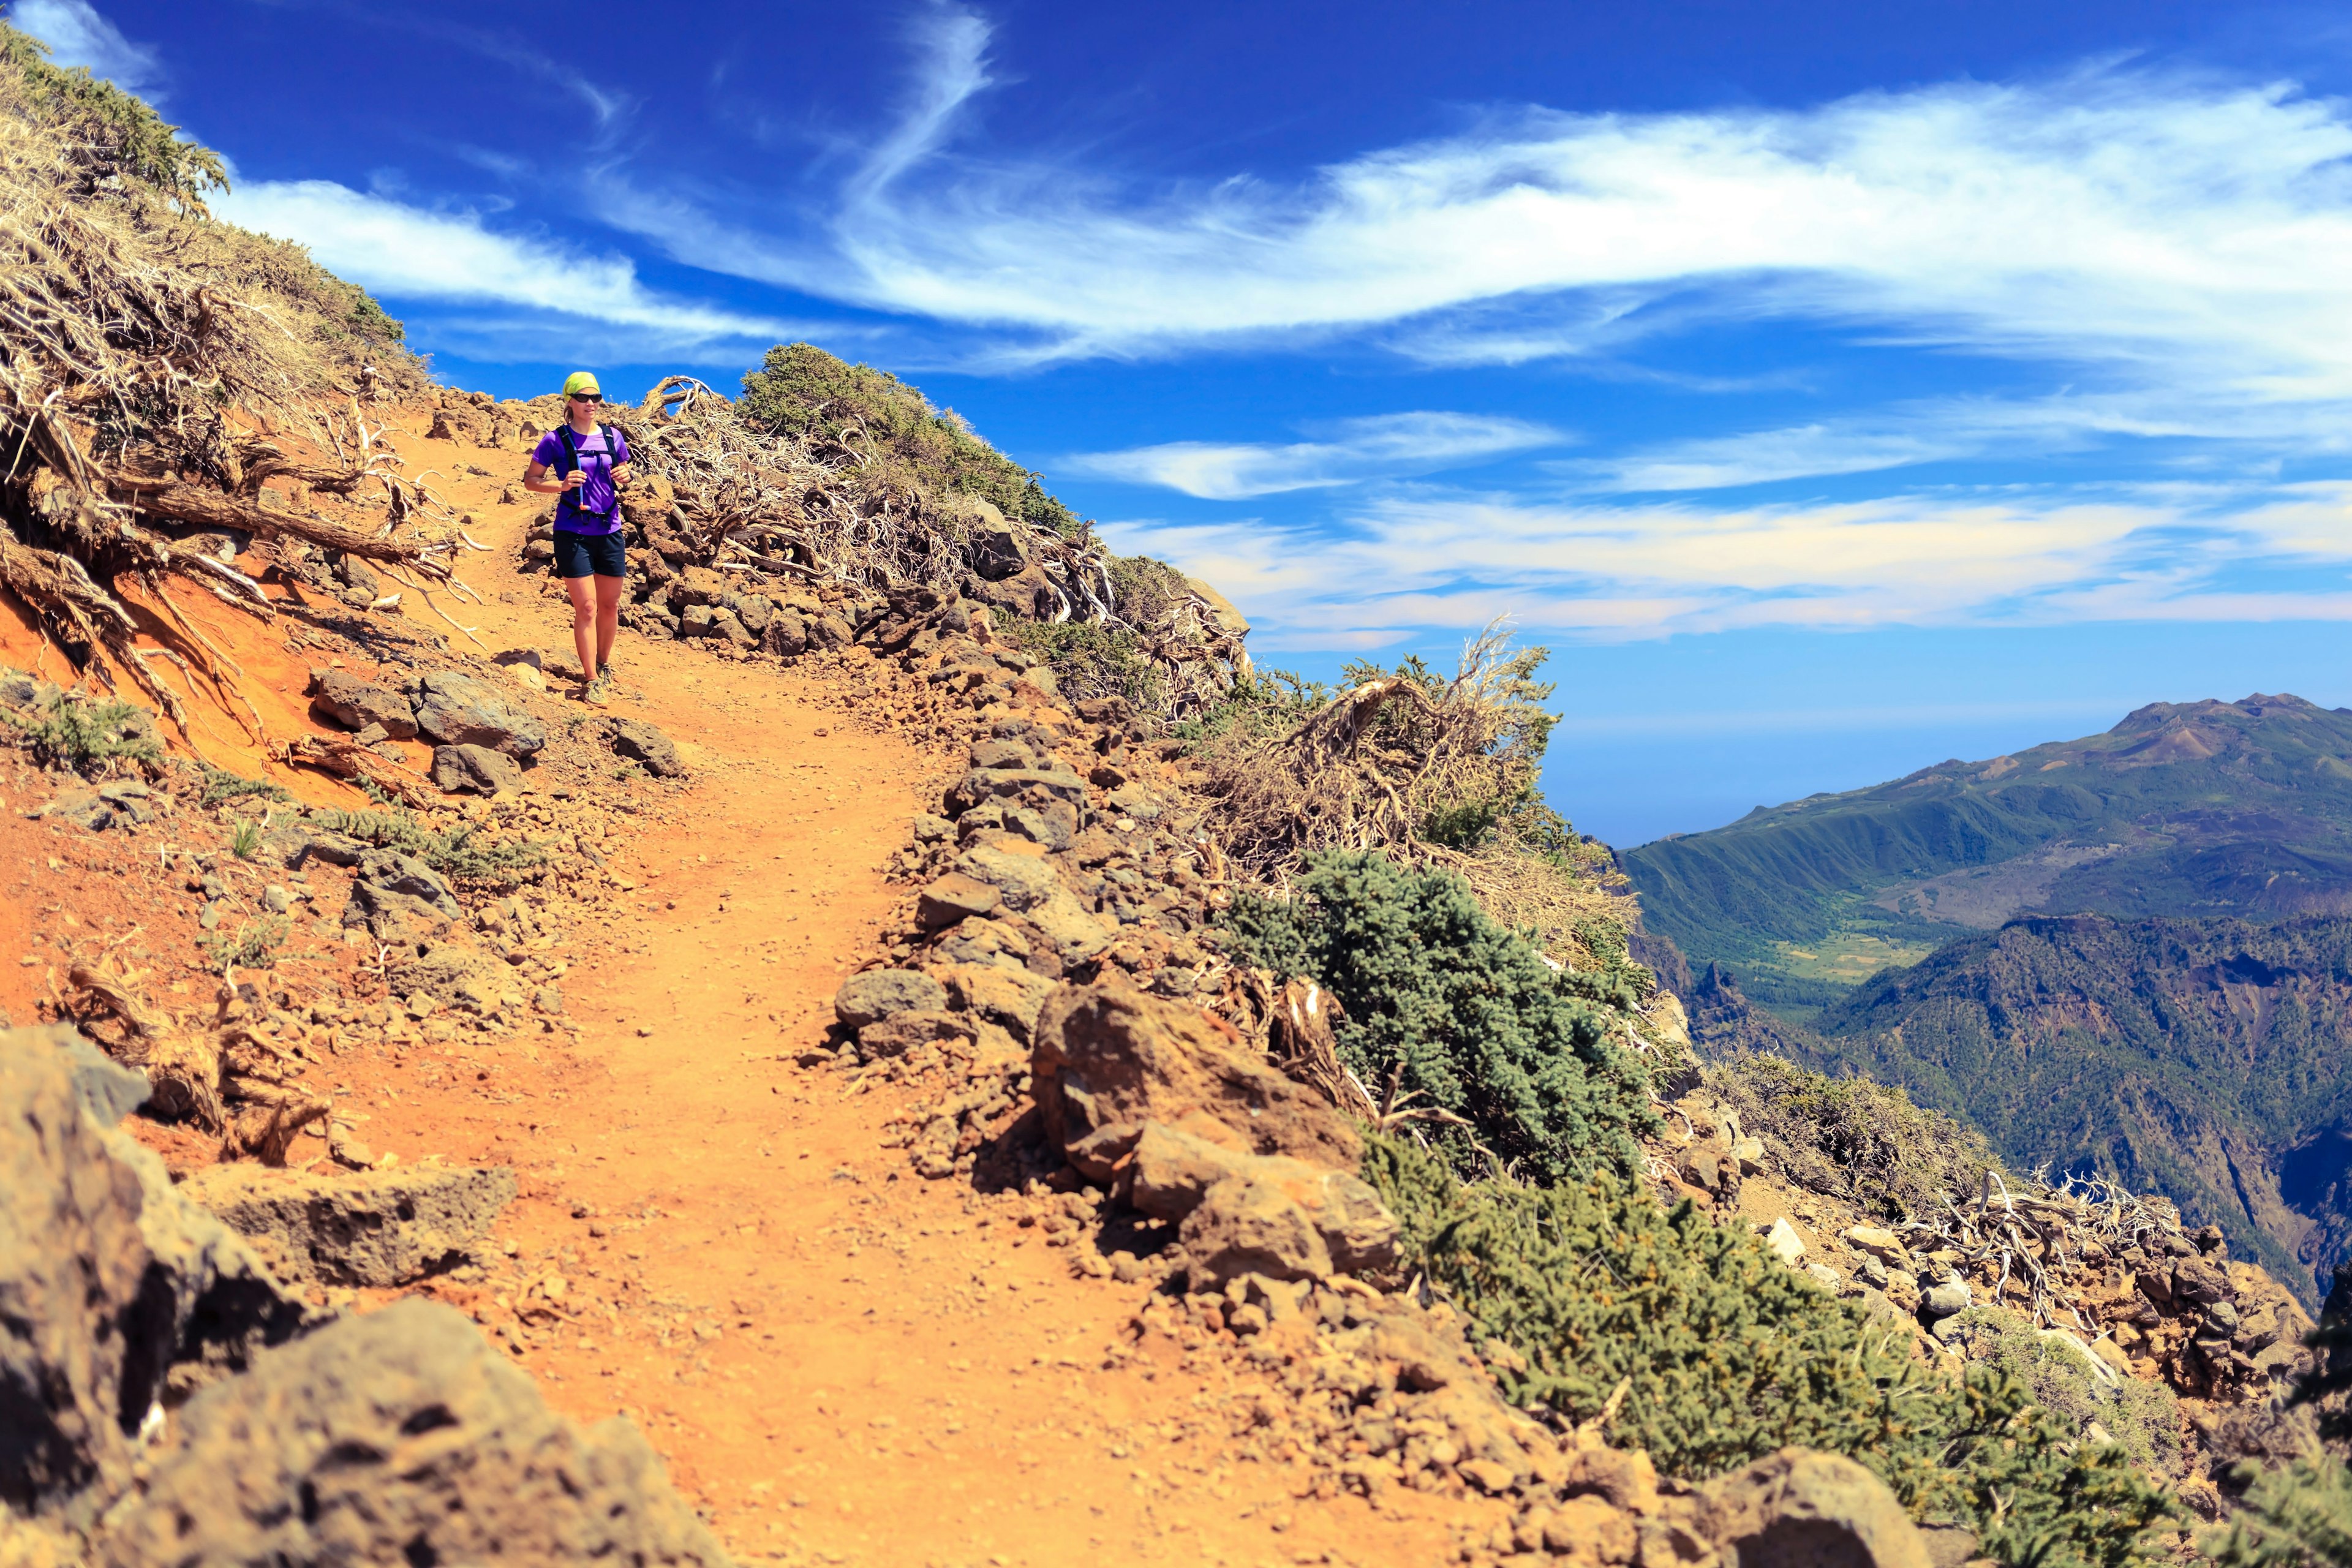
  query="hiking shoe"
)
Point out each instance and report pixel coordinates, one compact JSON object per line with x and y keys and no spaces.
{"x":597,"y":692}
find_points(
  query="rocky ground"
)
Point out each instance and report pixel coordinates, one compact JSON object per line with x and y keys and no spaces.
{"x":821,"y":1060}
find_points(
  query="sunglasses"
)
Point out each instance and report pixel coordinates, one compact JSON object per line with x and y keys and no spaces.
{"x":586,"y":397}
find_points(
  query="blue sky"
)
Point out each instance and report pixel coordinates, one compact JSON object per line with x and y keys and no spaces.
{"x":1835,"y":388}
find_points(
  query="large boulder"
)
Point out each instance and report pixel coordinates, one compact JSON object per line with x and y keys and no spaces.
{"x":1220,"y":614}
{"x":1257,"y":1214}
{"x":787,"y":634}
{"x":475,"y":769}
{"x":1034,"y":787}
{"x":1108,"y":1058}
{"x":1029,"y":885}
{"x":399,"y":1437}
{"x":1028,"y":594}
{"x":458,"y":973}
{"x":341,"y":698}
{"x":107,"y":1281}
{"x":378,"y":1228}
{"x":877,"y":994}
{"x":953,"y":898}
{"x":399,"y":899}
{"x":455,"y":710}
{"x":641,"y":743}
{"x":1798,"y":1509}
{"x":1011,"y":998}
{"x":995,"y":548}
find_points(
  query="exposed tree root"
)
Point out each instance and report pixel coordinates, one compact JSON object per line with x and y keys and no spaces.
{"x":347,"y":758}
{"x":221,"y":1078}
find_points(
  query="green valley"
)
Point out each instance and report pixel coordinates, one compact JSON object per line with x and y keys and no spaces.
{"x":2240,"y":809}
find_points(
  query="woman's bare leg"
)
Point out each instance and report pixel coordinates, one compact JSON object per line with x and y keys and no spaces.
{"x":608,"y":618}
{"x":584,"y":620}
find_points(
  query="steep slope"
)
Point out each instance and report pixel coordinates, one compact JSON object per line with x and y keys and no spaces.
{"x":2191,"y":809}
{"x":2195,"y":1058}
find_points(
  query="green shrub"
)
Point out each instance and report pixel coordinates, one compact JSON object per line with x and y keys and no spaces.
{"x":2298,"y":1517}
{"x":801,"y":390}
{"x":127,"y":137}
{"x":2144,"y":1418}
{"x":1270,"y":704}
{"x":1145,"y":593}
{"x":1729,"y":1354}
{"x":221,"y":788}
{"x":1850,"y":1138}
{"x":244,"y":840}
{"x":1449,"y":1006}
{"x":454,"y":854}
{"x":75,"y":733}
{"x":1090,"y":660}
{"x":254,"y":946}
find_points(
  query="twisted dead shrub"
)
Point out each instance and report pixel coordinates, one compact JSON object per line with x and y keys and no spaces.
{"x":157,"y":370}
{"x":1430,"y":770}
{"x":217,"y":1075}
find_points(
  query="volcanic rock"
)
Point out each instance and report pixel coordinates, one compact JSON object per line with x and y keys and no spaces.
{"x":381,"y":1228}
{"x":400,"y":1437}
{"x":1109,"y":1057}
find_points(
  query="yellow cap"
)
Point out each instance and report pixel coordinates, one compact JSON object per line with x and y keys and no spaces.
{"x":581,"y":381}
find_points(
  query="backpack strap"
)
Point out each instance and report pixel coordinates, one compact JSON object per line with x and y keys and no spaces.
{"x":571,"y":460}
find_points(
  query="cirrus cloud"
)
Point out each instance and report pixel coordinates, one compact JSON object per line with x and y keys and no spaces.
{"x":1410,"y":561}
{"x":412,"y":253}
{"x":1355,"y":449}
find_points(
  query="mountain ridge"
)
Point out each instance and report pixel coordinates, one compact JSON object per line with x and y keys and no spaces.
{"x":2208,"y":808}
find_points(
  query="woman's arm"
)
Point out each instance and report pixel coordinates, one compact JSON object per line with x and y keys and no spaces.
{"x":534,"y":478}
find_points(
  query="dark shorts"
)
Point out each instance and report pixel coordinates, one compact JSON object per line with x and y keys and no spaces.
{"x":590,"y":554}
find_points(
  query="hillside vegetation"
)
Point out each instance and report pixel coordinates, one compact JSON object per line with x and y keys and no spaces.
{"x":872,"y":417}
{"x":2204,"y":808}
{"x":2202,"y":1059}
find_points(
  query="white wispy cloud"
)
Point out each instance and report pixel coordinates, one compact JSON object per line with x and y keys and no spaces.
{"x":2157,"y":225}
{"x":77,"y":36}
{"x":1410,"y":561}
{"x":1355,"y":449}
{"x":1941,"y":429}
{"x":407,"y":252}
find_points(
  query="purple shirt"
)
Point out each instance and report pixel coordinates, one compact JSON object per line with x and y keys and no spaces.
{"x":593,"y":508}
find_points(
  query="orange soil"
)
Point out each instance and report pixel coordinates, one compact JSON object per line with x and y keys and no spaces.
{"x":867,"y":1367}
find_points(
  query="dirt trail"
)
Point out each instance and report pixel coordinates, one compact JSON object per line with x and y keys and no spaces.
{"x":841,"y":1362}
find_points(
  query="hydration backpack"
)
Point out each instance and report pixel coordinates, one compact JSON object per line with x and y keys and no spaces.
{"x":571,"y":441}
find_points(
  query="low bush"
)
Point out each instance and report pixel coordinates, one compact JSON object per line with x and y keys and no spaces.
{"x":1728,"y":1355}
{"x":2144,"y":1418}
{"x":1853,"y":1138}
{"x":2296,"y":1517}
{"x":126,"y":135}
{"x":801,"y":390}
{"x":1448,"y":1007}
{"x":221,"y":788}
{"x":71,"y":732}
{"x":456,"y":853}
{"x":254,"y":945}
{"x":1091,"y":660}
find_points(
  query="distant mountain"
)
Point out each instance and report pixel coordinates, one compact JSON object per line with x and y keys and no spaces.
{"x":2203,"y":1060}
{"x":2241,"y":809}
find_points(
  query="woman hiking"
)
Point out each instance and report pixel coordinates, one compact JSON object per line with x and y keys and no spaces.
{"x":590,"y":463}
